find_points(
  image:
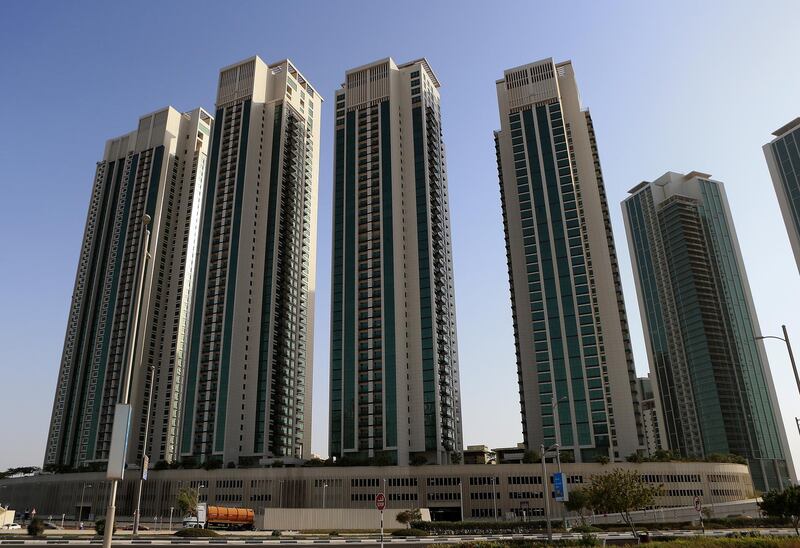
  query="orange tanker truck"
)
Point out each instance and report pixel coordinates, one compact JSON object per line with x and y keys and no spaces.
{"x":220,"y":517}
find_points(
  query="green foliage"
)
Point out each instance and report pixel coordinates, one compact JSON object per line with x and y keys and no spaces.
{"x":36,"y":527}
{"x":407,"y":516}
{"x":100,"y":527}
{"x":731,"y":459}
{"x":19,"y":470}
{"x":566,"y":456}
{"x":187,"y":501}
{"x":278,"y":464}
{"x":161,"y":465}
{"x":196,"y":533}
{"x":418,"y":460}
{"x":276,"y":533}
{"x":578,"y":502}
{"x":409,"y":533}
{"x":456,"y":457}
{"x":588,"y":539}
{"x":783,"y":504}
{"x":316,"y":461}
{"x":602,"y":459}
{"x":212,"y":464}
{"x":231,"y":464}
{"x":621,"y":492}
{"x":530,"y":456}
{"x":694,"y":542}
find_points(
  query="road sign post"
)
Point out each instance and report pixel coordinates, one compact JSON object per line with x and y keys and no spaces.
{"x":380,"y":504}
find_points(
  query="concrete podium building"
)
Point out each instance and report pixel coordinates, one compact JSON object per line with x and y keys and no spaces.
{"x":577,"y":382}
{"x":159,"y":170}
{"x":249,"y":373}
{"x":449,"y":492}
{"x":711,"y":375}
{"x":394,"y":392}
{"x":783,"y":160}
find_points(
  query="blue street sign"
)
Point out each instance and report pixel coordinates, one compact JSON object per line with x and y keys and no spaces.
{"x":560,"y":487}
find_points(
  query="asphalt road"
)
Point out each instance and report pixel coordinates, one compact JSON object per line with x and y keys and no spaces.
{"x":366,"y":541}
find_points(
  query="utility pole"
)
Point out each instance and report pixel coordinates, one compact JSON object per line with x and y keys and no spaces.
{"x":80,"y":510}
{"x":144,"y":242}
{"x":145,"y":461}
{"x":546,"y":496}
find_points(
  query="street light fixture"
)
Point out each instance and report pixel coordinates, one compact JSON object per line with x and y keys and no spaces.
{"x":80,"y":509}
{"x":145,"y":461}
{"x":546,"y":486}
{"x":324,"y":489}
{"x":131,"y":343}
{"x":785,"y":339}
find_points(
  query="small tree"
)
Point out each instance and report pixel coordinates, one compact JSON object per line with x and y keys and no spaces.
{"x":456,"y":457}
{"x":36,"y":527}
{"x":100,"y":527}
{"x":602,"y":459}
{"x":407,"y":516}
{"x":621,"y":492}
{"x":187,"y":501}
{"x":783,"y":504}
{"x":578,"y":502}
{"x":417,"y":460}
{"x":530,"y":456}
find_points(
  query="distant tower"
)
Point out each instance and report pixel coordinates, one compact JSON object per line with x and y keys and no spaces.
{"x":652,"y":421}
{"x":248,"y":395}
{"x":159,"y":169}
{"x":577,"y":380}
{"x":700,"y":325}
{"x":394,"y":366}
{"x":783,"y":160}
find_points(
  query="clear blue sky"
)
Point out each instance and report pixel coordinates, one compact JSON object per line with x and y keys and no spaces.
{"x":671,"y":85}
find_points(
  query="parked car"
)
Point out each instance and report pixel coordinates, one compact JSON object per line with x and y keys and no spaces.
{"x":12,"y":526}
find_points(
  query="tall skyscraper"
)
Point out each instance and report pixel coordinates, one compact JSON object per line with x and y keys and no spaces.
{"x":394,"y":366}
{"x":783,"y":160}
{"x":158,"y":170}
{"x":652,"y":420}
{"x":248,"y":393}
{"x":700,"y":325}
{"x":577,"y":381}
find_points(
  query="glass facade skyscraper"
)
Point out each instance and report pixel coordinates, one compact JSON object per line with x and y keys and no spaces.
{"x":783,"y":160}
{"x":158,"y":170}
{"x":248,"y":388}
{"x":395,"y":395}
{"x":577,"y":381}
{"x":712,"y":376}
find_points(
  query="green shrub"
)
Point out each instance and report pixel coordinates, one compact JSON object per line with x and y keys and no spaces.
{"x":409,"y":533}
{"x":36,"y":527}
{"x":585,"y":529}
{"x":276,"y":533}
{"x":192,"y":532}
{"x":100,"y":527}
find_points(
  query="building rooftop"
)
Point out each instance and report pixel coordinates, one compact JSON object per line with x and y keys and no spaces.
{"x":784,"y":129}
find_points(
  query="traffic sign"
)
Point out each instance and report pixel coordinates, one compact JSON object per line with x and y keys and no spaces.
{"x":698,"y":505}
{"x":380,"y":501}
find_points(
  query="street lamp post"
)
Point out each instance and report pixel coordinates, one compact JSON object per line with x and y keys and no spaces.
{"x":171,"y":508}
{"x":546,"y":488}
{"x":324,"y":489}
{"x":125,"y":387}
{"x":80,"y":510}
{"x":785,"y":339}
{"x":145,"y":461}
{"x":494,"y":497}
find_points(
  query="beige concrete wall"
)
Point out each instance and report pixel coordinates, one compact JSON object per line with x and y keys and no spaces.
{"x":305,"y":519}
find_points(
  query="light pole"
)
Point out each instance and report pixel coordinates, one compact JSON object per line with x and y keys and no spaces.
{"x":494,"y":498}
{"x":143,"y":255}
{"x":171,"y":509}
{"x":280,"y":494}
{"x":785,"y":339}
{"x":80,"y":510}
{"x":546,"y":488}
{"x":145,"y":461}
{"x":324,"y":489}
